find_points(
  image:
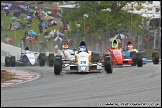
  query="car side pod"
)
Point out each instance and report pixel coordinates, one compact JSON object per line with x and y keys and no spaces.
{"x":108,"y":64}
{"x":155,"y":57}
{"x":57,"y":65}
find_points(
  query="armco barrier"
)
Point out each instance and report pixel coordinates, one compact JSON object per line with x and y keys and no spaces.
{"x":9,"y":50}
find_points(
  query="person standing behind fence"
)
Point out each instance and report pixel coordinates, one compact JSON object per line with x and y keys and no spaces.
{"x":40,"y":27}
{"x":99,"y":40}
{"x":43,"y":25}
{"x":24,"y":41}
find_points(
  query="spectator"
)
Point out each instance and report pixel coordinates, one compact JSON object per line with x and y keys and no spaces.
{"x":43,"y":25}
{"x":40,"y":28}
{"x":24,"y":41}
{"x":26,"y":34}
{"x":47,"y":35}
{"x":99,"y":40}
{"x":34,"y":34}
{"x":31,"y":42}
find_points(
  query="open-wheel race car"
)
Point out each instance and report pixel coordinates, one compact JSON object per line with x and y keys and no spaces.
{"x":26,"y":59}
{"x":84,"y":61}
{"x":121,"y":56}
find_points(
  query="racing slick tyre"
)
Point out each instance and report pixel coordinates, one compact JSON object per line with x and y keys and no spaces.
{"x":105,"y":55}
{"x":57,"y":66}
{"x":12,"y":60}
{"x":139,"y":59}
{"x":155,"y":57}
{"x":61,"y":60}
{"x":51,"y":60}
{"x":42,"y":59}
{"x":7,"y":61}
{"x":134,"y":58}
{"x":108,"y":64}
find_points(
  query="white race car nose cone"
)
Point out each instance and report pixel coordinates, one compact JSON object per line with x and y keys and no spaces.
{"x":83,"y":68}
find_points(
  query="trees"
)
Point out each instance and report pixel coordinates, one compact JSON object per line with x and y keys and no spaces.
{"x":97,"y":20}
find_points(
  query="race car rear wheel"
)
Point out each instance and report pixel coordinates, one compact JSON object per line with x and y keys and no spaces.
{"x":108,"y":64}
{"x":51,"y":60}
{"x":57,"y":66}
{"x":134,"y":58}
{"x":7,"y":61}
{"x":155,"y":57}
{"x":12,"y":60}
{"x":42,"y":59}
{"x":139,"y":59}
{"x":61,"y":60}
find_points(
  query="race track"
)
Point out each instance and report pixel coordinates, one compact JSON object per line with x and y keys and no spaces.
{"x":138,"y":86}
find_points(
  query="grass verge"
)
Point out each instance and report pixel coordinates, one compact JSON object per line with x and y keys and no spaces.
{"x":6,"y":76}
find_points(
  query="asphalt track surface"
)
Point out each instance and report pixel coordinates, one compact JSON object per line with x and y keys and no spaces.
{"x":127,"y":86}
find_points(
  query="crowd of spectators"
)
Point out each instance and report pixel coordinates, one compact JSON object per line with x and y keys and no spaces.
{"x":30,"y":36}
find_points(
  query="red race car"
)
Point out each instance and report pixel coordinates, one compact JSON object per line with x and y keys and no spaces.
{"x":116,"y":52}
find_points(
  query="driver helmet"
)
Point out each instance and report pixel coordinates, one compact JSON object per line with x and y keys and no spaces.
{"x":27,"y":52}
{"x":130,"y":46}
{"x":82,"y":49}
{"x":65,"y":46}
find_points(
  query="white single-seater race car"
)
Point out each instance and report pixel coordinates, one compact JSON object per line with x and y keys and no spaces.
{"x":26,"y":59}
{"x":84,"y":61}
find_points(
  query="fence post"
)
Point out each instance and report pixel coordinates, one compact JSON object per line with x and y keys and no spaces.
{"x":138,"y":43}
{"x":154,"y":40}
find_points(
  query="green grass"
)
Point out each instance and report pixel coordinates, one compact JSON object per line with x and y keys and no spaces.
{"x":20,"y":33}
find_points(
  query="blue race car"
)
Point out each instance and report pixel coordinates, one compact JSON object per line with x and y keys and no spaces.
{"x":130,"y":51}
{"x":26,"y":59}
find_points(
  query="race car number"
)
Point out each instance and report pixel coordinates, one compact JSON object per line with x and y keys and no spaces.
{"x":117,"y":53}
{"x":82,"y":62}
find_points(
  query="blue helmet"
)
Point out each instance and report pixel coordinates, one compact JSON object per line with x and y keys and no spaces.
{"x":82,"y":49}
{"x":27,"y":52}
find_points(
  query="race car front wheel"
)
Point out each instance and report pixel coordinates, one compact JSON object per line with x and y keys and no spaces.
{"x":57,"y":66}
{"x":60,"y":61}
{"x":108,"y":64}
